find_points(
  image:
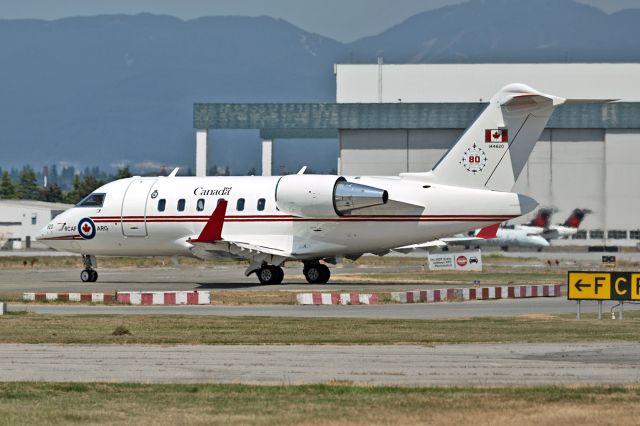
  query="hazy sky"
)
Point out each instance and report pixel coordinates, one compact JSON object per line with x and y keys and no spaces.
{"x":344,"y":20}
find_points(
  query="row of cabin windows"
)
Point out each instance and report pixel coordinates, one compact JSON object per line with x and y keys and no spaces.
{"x":162,"y":204}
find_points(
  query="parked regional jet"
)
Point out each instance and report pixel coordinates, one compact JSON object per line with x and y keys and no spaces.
{"x":540,"y":224}
{"x":493,"y":236}
{"x":313,"y":218}
{"x":505,"y":238}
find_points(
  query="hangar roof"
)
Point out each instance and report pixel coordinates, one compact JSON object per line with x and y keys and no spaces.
{"x":458,"y":82}
{"x":31,"y":204}
{"x":322,"y":120}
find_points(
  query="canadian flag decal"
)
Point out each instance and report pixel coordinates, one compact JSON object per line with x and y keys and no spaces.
{"x":496,"y":135}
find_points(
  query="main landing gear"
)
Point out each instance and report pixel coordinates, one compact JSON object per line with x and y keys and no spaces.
{"x":316,"y":273}
{"x":270,"y":274}
{"x":89,"y":274}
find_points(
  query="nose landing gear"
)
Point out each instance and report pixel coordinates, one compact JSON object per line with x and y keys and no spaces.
{"x":89,"y":274}
{"x":316,"y":273}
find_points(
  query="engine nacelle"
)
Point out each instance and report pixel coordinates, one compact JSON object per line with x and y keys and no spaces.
{"x":325,"y":195}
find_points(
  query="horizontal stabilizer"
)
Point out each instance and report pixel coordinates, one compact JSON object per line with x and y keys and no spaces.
{"x":590,"y":101}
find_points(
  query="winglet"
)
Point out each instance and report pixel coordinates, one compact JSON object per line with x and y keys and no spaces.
{"x":213,"y":229}
{"x":489,"y":232}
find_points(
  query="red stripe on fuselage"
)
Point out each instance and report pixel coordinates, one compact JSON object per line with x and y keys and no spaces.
{"x":288,"y":218}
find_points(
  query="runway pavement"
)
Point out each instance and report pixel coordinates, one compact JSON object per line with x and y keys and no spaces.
{"x":189,"y":278}
{"x":445,"y":310}
{"x":464,"y":364}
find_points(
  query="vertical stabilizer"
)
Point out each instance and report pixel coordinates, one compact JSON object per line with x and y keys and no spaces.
{"x":494,"y":149}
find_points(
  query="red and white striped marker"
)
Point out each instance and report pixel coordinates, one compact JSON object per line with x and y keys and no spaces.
{"x":479,"y":293}
{"x":68,"y":297}
{"x":336,"y":299}
{"x":164,"y":297}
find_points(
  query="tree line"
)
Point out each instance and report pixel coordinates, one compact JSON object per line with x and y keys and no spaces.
{"x":29,"y":185}
{"x":71,"y":186}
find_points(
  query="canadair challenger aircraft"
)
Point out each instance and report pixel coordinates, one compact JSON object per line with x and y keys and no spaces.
{"x":313,"y":218}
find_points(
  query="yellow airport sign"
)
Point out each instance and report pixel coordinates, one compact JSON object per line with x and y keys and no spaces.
{"x":604,"y":286}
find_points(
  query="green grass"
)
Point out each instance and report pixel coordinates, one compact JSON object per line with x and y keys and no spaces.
{"x":490,"y":277}
{"x":101,"y":403}
{"x":169,"y":329}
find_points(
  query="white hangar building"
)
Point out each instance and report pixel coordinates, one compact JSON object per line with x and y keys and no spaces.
{"x":22,"y":220}
{"x":391,"y":118}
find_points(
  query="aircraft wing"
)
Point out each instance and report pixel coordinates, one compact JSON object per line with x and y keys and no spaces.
{"x":258,"y":249}
{"x":483,"y":234}
{"x":424,"y":246}
{"x":257,"y":254}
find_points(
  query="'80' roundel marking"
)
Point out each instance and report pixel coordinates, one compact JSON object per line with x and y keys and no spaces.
{"x":87,"y":228}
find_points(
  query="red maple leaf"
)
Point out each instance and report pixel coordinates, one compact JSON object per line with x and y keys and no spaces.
{"x":496,"y":135}
{"x":86,"y":227}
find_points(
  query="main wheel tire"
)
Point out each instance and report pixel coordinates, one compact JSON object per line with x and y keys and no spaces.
{"x":278,"y":275}
{"x":94,"y":276}
{"x":326,"y":274}
{"x":85,"y":275}
{"x":266,"y":274}
{"x":317,"y":274}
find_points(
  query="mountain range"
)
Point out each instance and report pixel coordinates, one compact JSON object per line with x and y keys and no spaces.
{"x":108,"y":89}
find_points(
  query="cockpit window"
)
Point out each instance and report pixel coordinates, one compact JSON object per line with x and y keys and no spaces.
{"x":92,"y":200}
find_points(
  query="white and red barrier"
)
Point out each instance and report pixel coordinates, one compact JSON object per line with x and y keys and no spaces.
{"x":479,"y":293}
{"x":164,"y":297}
{"x":68,"y":297}
{"x":337,"y":299}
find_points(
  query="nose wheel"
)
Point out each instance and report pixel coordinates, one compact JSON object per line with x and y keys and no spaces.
{"x":89,"y":274}
{"x":270,"y":274}
{"x":316,"y":273}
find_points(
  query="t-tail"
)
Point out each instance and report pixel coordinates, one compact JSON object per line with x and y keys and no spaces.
{"x":542,"y":219}
{"x":494,"y":149}
{"x":575,"y":219}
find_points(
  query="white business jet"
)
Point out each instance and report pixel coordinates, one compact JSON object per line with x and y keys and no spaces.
{"x":314,"y":218}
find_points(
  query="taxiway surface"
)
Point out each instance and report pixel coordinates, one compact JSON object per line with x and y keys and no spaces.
{"x":190,"y":278}
{"x":463,"y":364}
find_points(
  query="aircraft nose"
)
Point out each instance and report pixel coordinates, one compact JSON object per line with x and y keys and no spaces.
{"x":527,"y":204}
{"x":43,"y":233}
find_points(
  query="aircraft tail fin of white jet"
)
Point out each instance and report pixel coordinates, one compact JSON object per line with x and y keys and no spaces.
{"x":492,"y":152}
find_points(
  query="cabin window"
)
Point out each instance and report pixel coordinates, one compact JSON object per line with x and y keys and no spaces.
{"x":219,"y":201}
{"x":261,"y":203}
{"x":92,"y":200}
{"x":200,"y":204}
{"x":240,"y":204}
{"x":181,"y":205}
{"x":162,"y":203}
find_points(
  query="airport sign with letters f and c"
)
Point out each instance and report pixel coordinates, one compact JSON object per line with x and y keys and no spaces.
{"x":603,"y":286}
